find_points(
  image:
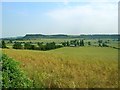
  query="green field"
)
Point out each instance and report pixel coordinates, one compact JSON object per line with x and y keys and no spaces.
{"x":94,"y":42}
{"x":70,"y":67}
{"x":62,"y":44}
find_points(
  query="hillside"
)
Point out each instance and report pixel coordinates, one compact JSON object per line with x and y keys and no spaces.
{"x":84,"y":67}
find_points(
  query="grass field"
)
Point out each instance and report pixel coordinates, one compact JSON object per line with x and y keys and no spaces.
{"x":73,"y":67}
{"x":94,"y":42}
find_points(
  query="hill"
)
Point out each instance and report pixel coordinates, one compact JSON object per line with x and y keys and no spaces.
{"x":69,"y":67}
{"x":63,"y":36}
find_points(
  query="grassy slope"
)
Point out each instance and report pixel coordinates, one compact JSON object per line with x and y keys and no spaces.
{"x":70,"y":67}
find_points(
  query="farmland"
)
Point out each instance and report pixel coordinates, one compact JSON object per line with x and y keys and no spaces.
{"x":62,"y":44}
{"x":69,"y":62}
{"x":70,"y":67}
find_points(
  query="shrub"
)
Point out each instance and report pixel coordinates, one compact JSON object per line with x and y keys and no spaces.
{"x":17,"y":45}
{"x":3,"y":44}
{"x":12,"y":76}
{"x":104,"y":45}
{"x":29,"y":46}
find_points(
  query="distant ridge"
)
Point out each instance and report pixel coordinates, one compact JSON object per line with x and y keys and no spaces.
{"x":90,"y":36}
{"x":94,"y":36}
{"x":27,"y":36}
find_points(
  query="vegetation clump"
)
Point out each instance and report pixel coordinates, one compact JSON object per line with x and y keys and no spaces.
{"x":17,"y":45}
{"x":3,"y":44}
{"x":12,"y":76}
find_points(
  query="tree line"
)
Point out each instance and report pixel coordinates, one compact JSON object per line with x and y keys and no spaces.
{"x":51,"y":45}
{"x":39,"y":46}
{"x":73,"y":43}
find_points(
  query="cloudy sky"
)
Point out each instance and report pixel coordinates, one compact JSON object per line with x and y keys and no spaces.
{"x":61,"y":17}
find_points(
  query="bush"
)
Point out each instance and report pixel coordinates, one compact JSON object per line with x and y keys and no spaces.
{"x":17,"y":45}
{"x":104,"y":45}
{"x":3,"y":44}
{"x":29,"y":46}
{"x":48,"y":46}
{"x":12,"y":76}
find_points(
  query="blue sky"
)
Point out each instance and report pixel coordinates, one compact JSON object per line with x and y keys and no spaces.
{"x":20,"y":18}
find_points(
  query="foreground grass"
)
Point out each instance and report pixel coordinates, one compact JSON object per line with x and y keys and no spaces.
{"x":73,"y":67}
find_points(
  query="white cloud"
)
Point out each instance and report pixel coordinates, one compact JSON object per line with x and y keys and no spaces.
{"x":90,"y":18}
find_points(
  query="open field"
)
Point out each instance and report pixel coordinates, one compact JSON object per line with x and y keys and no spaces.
{"x":94,"y":42}
{"x":60,"y":44}
{"x":73,"y":67}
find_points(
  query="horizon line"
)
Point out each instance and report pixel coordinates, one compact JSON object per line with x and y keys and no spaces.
{"x":59,"y":34}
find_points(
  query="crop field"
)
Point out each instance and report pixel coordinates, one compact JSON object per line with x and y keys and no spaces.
{"x":69,"y":67}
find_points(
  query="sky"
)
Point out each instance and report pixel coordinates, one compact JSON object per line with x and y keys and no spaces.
{"x":71,"y":17}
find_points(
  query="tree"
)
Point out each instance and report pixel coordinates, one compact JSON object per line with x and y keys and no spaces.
{"x":68,"y":44}
{"x":100,"y":43}
{"x":3,"y":44}
{"x":75,"y":43}
{"x":64,"y":44}
{"x":40,"y":45}
{"x":17,"y":45}
{"x":29,"y":46}
{"x":81,"y":42}
{"x":78,"y":43}
{"x":72,"y":42}
{"x":104,"y":45}
{"x":89,"y":43}
{"x":33,"y":47}
{"x":10,"y":41}
{"x":50,"y":46}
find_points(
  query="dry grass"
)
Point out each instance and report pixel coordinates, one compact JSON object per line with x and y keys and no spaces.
{"x":70,"y":67}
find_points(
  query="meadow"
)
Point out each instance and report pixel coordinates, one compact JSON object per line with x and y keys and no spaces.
{"x":69,"y":67}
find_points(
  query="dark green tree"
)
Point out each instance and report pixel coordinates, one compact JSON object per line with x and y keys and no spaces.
{"x":27,"y":46}
{"x":81,"y":42}
{"x":40,"y":45}
{"x":17,"y":45}
{"x":78,"y":44}
{"x":10,"y":41}
{"x":50,"y":46}
{"x":75,"y":43}
{"x":100,"y":43}
{"x":68,"y":44}
{"x":72,"y":42}
{"x":89,"y":43}
{"x":64,"y":44}
{"x":104,"y":45}
{"x":3,"y":44}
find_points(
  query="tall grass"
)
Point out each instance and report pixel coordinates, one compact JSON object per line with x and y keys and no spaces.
{"x":85,"y":67}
